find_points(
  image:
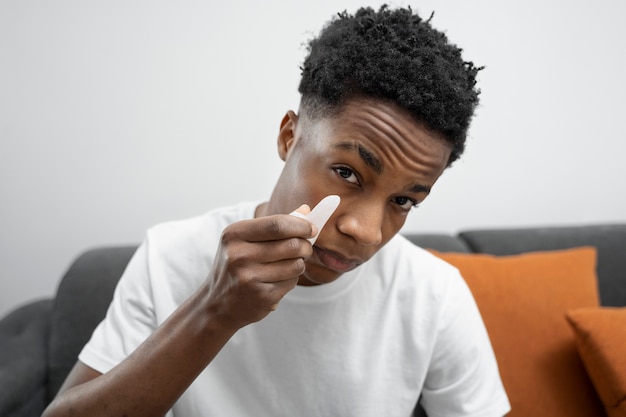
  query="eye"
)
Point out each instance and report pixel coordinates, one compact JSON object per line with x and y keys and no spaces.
{"x":405,"y":203}
{"x":347,"y":174}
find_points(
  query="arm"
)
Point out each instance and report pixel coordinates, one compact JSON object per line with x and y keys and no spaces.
{"x":258,"y":261}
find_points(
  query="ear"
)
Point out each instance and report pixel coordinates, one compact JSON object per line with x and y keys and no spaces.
{"x":287,"y":134}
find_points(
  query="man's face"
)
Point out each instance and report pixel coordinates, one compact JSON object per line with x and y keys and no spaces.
{"x":376,"y":158}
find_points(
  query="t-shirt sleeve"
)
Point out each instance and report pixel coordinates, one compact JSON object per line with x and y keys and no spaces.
{"x":463,"y":379}
{"x":130,"y":318}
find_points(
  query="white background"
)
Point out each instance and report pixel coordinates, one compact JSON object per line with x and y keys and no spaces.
{"x":116,"y":115}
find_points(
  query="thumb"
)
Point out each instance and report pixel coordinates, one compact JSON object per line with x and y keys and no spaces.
{"x":302,"y":212}
{"x":303,"y":209}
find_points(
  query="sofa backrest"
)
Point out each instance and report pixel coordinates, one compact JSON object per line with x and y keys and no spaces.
{"x":440,"y":242}
{"x":82,"y":299}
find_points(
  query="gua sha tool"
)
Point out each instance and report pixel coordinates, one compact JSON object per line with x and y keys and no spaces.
{"x":320,"y":213}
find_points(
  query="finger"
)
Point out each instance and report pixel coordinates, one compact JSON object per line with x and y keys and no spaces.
{"x":275,"y":227}
{"x":321,"y":213}
{"x":270,"y":273}
{"x":248,"y":253}
{"x":278,"y":250}
{"x":278,"y":290}
{"x":303,"y":212}
{"x":265,"y":297}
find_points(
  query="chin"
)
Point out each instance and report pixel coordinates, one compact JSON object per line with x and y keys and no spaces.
{"x":312,"y":278}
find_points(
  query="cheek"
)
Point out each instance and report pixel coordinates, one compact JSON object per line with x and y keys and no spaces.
{"x":308,"y":175}
{"x":392,"y":224}
{"x":301,"y":184}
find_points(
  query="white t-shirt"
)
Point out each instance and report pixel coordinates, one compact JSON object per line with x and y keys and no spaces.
{"x":403,"y":324}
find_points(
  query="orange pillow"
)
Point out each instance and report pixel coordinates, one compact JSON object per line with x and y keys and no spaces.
{"x":601,"y":339}
{"x":523,"y":299}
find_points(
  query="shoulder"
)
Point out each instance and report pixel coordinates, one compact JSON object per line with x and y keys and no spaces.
{"x":442,"y":282}
{"x":184,"y":249}
{"x":456,"y":331}
{"x":199,"y":231}
{"x":423,"y":284}
{"x":402,"y":259}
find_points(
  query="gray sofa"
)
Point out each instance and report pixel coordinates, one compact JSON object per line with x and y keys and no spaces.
{"x":39,"y":342}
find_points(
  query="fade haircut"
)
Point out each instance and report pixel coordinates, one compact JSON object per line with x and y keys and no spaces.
{"x":396,"y":56}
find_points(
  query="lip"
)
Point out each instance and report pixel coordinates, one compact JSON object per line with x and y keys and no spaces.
{"x":335,"y":260}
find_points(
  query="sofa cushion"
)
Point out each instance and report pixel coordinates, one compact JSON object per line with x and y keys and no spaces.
{"x":609,"y":240}
{"x":81,"y":302}
{"x":601,"y":340}
{"x":523,"y":300}
{"x":23,"y":343}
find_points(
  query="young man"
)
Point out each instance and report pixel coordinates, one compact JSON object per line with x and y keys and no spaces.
{"x":235,"y":313}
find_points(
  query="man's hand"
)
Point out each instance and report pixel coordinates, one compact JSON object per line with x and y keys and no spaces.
{"x":257,"y":263}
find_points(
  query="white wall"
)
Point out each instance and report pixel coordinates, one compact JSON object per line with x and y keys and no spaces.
{"x":116,"y":115}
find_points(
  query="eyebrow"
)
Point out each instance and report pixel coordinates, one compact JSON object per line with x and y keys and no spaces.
{"x":373,"y":162}
{"x":368,"y":157}
{"x":419,"y":188}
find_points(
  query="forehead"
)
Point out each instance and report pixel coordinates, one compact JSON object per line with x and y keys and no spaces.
{"x":382,"y":135}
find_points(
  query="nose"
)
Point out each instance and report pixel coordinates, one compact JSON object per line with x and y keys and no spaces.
{"x":364,"y":224}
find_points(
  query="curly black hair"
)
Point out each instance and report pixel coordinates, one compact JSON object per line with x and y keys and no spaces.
{"x":391,"y":55}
